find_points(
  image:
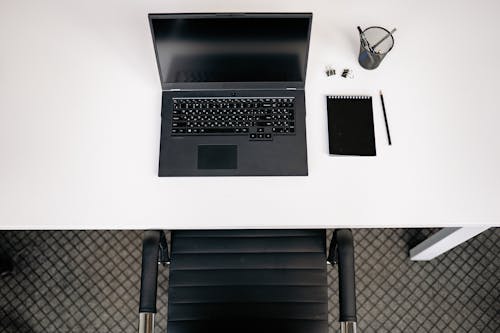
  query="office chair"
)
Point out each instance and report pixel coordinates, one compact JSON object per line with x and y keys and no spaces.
{"x":243,"y":281}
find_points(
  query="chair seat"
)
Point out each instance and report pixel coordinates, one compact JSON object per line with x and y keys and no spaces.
{"x":248,"y":281}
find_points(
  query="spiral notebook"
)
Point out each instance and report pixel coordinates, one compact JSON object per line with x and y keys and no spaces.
{"x":350,"y":125}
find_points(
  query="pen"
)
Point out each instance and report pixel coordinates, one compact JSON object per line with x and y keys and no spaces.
{"x":385,"y":118}
{"x":364,"y":40}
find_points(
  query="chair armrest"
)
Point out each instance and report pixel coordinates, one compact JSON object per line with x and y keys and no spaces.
{"x":342,"y":253}
{"x":149,"y":276}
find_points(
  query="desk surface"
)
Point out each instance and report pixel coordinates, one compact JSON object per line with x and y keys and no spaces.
{"x":80,"y":121}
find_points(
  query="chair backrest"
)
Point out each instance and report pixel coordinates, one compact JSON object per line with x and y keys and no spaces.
{"x":255,"y":281}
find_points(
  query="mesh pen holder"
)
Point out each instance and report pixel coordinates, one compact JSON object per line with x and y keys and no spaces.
{"x":370,"y":58}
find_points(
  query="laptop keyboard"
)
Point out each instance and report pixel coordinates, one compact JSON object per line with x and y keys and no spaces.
{"x":258,"y":118}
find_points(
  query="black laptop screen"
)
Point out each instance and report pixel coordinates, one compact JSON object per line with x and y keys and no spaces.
{"x":231,"y":49}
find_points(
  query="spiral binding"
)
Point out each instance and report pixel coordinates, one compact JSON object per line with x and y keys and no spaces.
{"x":348,"y":97}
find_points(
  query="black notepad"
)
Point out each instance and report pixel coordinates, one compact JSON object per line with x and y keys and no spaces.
{"x":350,"y":125}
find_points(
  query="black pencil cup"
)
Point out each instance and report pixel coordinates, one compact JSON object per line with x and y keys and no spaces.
{"x":371,"y":58}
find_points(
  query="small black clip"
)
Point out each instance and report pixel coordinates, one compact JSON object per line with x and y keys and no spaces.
{"x":330,"y":71}
{"x":347,"y":73}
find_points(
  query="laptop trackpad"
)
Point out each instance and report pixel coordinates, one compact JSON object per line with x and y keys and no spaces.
{"x":217,"y":157}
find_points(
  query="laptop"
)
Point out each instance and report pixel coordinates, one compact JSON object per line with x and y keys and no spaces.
{"x":232,"y":93}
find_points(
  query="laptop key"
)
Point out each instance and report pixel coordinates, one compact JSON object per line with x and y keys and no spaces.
{"x":220,"y":130}
{"x":233,"y":116}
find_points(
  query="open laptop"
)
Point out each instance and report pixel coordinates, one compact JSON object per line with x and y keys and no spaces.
{"x":233,"y":93}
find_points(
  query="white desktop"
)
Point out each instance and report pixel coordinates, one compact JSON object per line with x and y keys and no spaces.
{"x":80,"y":122}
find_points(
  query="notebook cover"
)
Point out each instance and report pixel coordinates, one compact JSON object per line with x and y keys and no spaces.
{"x":350,"y":125}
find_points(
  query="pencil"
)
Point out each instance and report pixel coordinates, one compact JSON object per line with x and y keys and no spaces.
{"x":384,"y":38}
{"x":385,"y":118}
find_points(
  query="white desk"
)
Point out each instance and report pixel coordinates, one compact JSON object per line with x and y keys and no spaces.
{"x":80,"y":121}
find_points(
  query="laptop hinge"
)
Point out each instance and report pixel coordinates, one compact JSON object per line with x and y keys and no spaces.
{"x":232,"y":88}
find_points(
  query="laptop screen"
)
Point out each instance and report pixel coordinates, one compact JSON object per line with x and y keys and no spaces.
{"x":231,"y":47}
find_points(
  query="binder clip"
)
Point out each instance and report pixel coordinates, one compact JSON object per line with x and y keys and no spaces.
{"x":347,"y":73}
{"x":330,"y":71}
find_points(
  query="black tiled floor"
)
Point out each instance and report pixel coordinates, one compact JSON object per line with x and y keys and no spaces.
{"x":88,"y":281}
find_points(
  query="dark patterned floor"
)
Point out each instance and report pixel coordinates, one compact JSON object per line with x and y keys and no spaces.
{"x":88,"y":281}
